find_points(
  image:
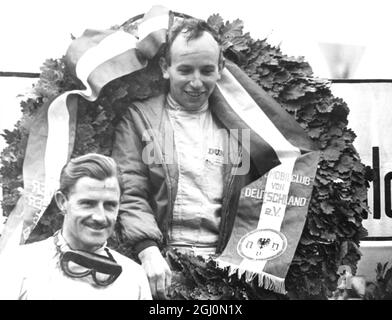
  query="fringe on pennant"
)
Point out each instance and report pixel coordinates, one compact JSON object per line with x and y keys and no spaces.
{"x":265,"y":280}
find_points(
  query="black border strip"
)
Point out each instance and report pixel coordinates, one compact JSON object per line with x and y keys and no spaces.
{"x":19,"y":74}
{"x":361,"y":80}
{"x":377,"y":239}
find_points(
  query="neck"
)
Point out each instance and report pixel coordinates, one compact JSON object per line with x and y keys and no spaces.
{"x":63,"y":240}
{"x":173,"y":104}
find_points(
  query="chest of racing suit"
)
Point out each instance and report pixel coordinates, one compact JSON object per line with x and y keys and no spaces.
{"x":145,"y":153}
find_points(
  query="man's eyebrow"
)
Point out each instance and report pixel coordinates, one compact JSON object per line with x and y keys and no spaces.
{"x":86,"y":200}
{"x":112,"y":201}
{"x":209,"y":66}
{"x":185,"y":65}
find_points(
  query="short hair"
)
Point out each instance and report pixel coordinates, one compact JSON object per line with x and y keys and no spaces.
{"x":92,"y":165}
{"x":193,"y":29}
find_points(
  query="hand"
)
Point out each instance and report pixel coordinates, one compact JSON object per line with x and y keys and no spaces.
{"x":157,"y":270}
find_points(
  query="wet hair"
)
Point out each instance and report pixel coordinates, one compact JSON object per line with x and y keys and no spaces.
{"x":193,"y":29}
{"x":92,"y":165}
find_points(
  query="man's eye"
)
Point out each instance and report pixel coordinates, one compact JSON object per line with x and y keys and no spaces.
{"x":184,"y":70}
{"x":110,"y":205}
{"x":208,"y":71}
{"x":87,"y":203}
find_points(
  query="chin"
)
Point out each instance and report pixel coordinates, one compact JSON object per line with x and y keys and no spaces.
{"x":193,"y":105}
{"x":92,"y":246}
{"x":96,"y":240}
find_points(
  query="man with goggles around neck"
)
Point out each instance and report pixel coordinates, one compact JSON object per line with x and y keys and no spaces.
{"x":75,"y":262}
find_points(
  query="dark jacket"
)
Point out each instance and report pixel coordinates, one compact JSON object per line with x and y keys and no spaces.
{"x":150,"y":188}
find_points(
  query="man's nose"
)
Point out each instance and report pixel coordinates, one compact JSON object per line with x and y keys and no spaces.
{"x":196,"y":82}
{"x":99,"y":213}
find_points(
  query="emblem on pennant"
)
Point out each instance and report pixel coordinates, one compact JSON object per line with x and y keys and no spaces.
{"x":262,"y":244}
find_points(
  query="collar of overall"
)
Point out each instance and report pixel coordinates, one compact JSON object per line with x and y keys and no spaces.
{"x":104,"y":270}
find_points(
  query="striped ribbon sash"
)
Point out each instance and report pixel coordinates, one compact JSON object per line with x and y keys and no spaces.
{"x":272,"y":209}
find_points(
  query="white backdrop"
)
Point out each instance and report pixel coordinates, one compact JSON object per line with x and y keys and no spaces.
{"x":32,"y":31}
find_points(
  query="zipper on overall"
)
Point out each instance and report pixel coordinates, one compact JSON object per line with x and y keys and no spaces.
{"x":228,"y":187}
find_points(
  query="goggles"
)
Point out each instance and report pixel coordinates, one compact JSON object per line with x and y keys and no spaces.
{"x":78,"y":264}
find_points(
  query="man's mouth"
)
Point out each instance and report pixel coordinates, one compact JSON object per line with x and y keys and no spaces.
{"x":194,"y":94}
{"x":96,"y":226}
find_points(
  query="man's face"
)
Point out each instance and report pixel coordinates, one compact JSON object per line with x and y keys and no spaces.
{"x":194,"y":70}
{"x":91,"y":210}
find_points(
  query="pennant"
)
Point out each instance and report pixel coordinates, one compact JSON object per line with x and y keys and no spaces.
{"x":272,"y":209}
{"x":97,"y":57}
{"x":271,"y":215}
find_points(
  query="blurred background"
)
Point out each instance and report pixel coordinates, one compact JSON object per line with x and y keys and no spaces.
{"x":346,"y":41}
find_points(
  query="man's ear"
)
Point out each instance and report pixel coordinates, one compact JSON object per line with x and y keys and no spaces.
{"x":61,"y":200}
{"x":164,"y":67}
